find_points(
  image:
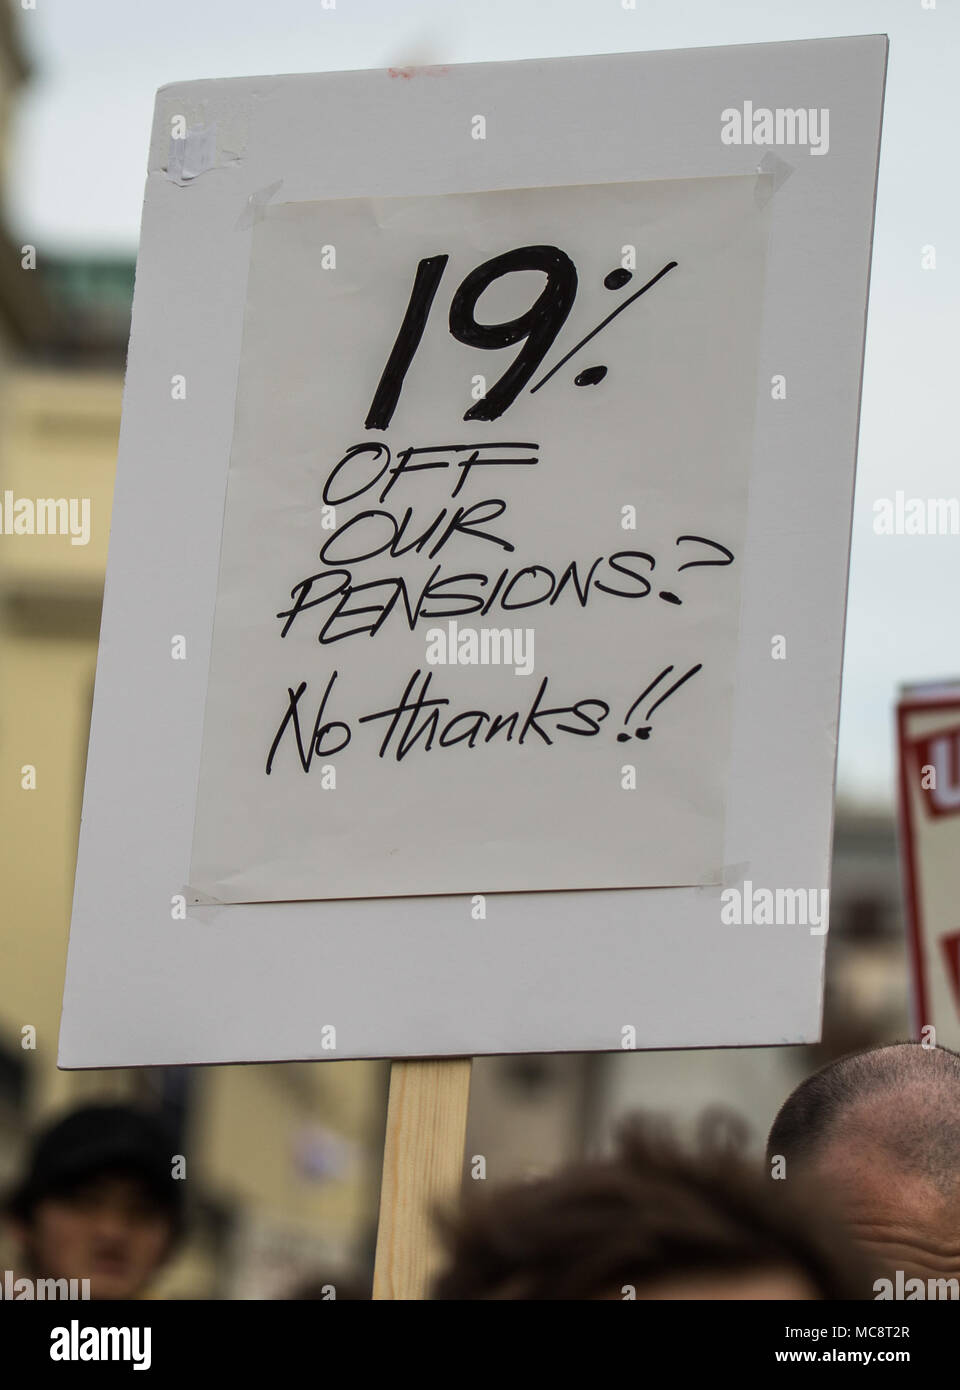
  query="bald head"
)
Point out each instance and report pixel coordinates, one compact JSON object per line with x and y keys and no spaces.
{"x":878,"y":1134}
{"x":903,"y":1099}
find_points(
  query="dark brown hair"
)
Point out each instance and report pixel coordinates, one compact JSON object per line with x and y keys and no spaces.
{"x":649,"y":1213}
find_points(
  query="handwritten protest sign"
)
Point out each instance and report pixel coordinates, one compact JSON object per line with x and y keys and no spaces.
{"x":479,"y":592}
{"x":366,"y":429}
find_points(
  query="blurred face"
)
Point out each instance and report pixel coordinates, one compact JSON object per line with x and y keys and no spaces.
{"x":109,"y":1230}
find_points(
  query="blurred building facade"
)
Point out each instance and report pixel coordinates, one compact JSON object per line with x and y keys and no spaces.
{"x":16,"y":303}
{"x":282,"y":1162}
{"x":283,"y":1159}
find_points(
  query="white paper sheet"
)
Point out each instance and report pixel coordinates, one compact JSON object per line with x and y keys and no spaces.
{"x":539,"y":801}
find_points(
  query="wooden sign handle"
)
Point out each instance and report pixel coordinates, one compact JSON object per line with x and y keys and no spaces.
{"x":422,"y":1169}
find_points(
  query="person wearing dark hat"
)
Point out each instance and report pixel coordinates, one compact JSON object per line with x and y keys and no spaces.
{"x":99,"y":1201}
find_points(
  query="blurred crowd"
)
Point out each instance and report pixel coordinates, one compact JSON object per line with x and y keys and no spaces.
{"x":857,"y":1197}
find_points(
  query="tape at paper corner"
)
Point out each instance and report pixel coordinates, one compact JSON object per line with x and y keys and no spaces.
{"x":772,"y":174}
{"x":730,"y":876}
{"x":195,"y":898}
{"x":256,"y":205}
{"x":195,"y":154}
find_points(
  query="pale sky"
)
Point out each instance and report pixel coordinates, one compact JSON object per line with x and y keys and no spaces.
{"x":79,"y":167}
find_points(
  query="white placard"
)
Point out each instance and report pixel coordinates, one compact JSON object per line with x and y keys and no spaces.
{"x":152,"y":979}
{"x":478,"y":604}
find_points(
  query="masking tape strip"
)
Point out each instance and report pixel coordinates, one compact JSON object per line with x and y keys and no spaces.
{"x":731,"y":876}
{"x":774,"y":173}
{"x":197,"y":899}
{"x":193,"y":155}
{"x":256,"y":205}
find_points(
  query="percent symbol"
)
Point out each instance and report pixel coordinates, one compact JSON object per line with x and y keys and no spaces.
{"x":614,"y":281}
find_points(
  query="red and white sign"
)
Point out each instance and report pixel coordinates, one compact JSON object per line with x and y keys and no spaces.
{"x":928,"y":735}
